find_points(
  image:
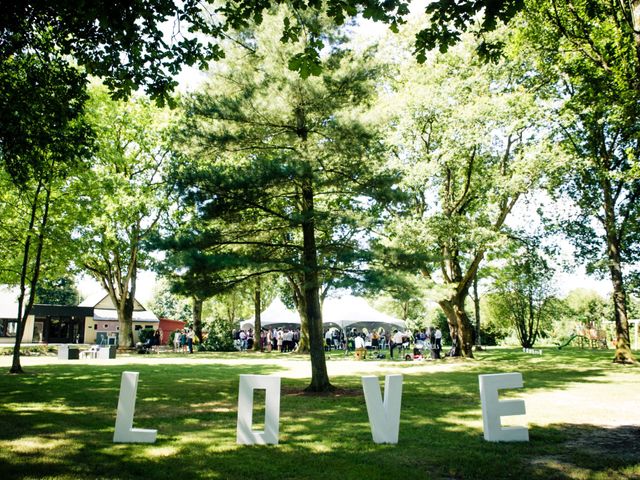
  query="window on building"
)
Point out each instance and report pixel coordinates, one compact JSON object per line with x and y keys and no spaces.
{"x":8,"y":327}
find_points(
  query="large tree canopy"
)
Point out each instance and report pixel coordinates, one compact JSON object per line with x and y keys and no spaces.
{"x":120,"y":198}
{"x":146,"y":42}
{"x":43,"y":138}
{"x":283,"y":173}
{"x":469,"y":140}
{"x":586,"y":55}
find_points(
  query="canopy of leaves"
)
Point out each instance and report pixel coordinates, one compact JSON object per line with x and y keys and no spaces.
{"x":144,"y":43}
{"x":60,"y":291}
{"x":470,"y":141}
{"x":255,"y":139}
{"x":122,"y":196}
{"x":41,"y":116}
{"x":585,"y":54}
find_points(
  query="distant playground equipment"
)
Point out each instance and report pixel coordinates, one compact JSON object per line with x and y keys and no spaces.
{"x":587,"y":338}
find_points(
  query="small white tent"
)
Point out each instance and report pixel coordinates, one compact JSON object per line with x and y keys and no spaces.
{"x":350,"y":311}
{"x":347,"y":311}
{"x":275,"y":315}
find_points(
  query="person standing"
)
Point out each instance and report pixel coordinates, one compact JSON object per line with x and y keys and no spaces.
{"x":269,"y":340}
{"x":359,"y":345}
{"x":176,"y":340}
{"x":190,"y":336}
{"x":328,"y":339}
{"x":157,"y":339}
{"x":243,"y":340}
{"x":438,"y":339}
{"x":396,"y":341}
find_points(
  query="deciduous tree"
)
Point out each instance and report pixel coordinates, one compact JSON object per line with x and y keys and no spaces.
{"x":43,"y":139}
{"x":470,"y":142}
{"x":522,"y":293}
{"x":121,"y":199}
{"x":588,"y":52}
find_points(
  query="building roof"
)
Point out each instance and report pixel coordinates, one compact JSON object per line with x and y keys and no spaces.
{"x":101,"y":314}
{"x":40,"y":310}
{"x":99,"y":306}
{"x":102,"y":301}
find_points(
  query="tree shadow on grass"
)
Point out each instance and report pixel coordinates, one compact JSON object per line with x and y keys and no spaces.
{"x":79,"y":396}
{"x":64,"y":427}
{"x":590,"y":451}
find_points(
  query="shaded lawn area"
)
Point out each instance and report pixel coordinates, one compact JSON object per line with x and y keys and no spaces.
{"x":57,"y":422}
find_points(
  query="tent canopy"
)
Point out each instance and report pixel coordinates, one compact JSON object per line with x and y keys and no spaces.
{"x":275,"y":315}
{"x":350,"y":311}
{"x":344,"y":312}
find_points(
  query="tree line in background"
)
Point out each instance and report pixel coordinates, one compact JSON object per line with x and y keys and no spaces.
{"x":316,"y":158}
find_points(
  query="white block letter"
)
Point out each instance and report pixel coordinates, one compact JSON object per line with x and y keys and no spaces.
{"x":493,"y":409}
{"x":125,"y":433}
{"x":384,"y":418}
{"x":245,"y":434}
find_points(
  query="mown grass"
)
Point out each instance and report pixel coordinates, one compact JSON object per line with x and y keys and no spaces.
{"x":57,"y":422}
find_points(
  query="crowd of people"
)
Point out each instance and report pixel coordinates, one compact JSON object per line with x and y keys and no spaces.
{"x":183,"y":340}
{"x":417,"y":343}
{"x":271,"y":339}
{"x":377,"y":340}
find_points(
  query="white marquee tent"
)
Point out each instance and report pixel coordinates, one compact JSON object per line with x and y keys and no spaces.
{"x":344,"y":312}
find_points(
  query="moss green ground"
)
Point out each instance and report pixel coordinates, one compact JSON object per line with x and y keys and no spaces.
{"x":57,"y":420}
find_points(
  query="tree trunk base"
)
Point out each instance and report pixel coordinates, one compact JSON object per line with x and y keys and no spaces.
{"x":16,"y":370}
{"x":320,"y":388}
{"x":625,"y":360}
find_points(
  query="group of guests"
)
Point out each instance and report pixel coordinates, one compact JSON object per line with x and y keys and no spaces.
{"x":287,"y":340}
{"x":183,"y":340}
{"x":336,"y":339}
{"x":271,"y":339}
{"x":429,"y":338}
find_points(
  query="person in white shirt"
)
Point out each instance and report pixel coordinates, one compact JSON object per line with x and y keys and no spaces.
{"x":437,"y":343}
{"x":328,"y":339}
{"x":359,"y":343}
{"x":287,"y":341}
{"x":396,"y":341}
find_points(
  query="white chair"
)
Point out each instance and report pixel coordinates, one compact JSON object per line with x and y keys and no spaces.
{"x":91,"y":353}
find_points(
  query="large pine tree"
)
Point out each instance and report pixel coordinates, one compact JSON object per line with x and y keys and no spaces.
{"x":283,"y":173}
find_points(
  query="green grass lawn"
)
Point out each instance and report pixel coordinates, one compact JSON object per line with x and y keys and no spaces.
{"x":583,"y":413}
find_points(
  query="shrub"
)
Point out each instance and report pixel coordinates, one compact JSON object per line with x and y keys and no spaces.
{"x":145,"y":334}
{"x":219,"y":338}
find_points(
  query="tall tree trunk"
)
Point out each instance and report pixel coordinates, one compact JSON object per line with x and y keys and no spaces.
{"x":257,"y":309}
{"x":23,"y":313}
{"x":197,"y":318}
{"x":623,"y":344}
{"x":125,"y":322}
{"x":304,"y":346}
{"x":453,"y":307}
{"x":459,"y":324}
{"x":301,"y":306}
{"x":311,"y":291}
{"x":476,"y":308}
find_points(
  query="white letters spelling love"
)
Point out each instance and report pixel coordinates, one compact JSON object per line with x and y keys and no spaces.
{"x":384,"y":414}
